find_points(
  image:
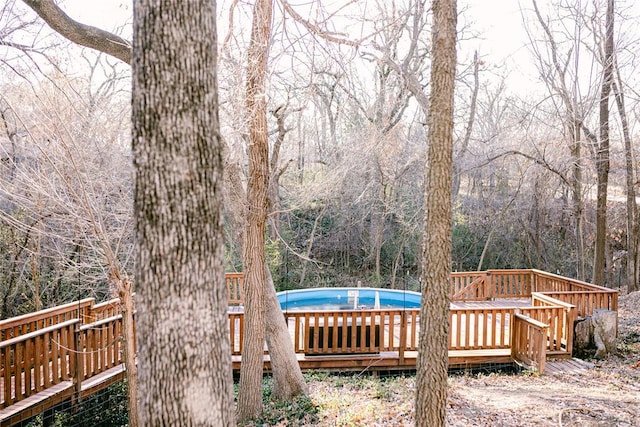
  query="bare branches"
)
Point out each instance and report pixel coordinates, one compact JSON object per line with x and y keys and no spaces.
{"x":338,"y":38}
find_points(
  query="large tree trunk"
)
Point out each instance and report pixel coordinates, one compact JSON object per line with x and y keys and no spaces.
{"x":602,"y":156}
{"x":431,"y":380}
{"x":183,"y":352}
{"x":253,"y":245}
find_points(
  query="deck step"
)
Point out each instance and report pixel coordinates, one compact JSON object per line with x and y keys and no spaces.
{"x":567,"y":366}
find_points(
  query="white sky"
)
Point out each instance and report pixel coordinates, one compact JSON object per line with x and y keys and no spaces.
{"x":501,"y":40}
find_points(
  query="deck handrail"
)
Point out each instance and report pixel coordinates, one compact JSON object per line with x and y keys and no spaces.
{"x":30,"y":322}
{"x":37,"y":333}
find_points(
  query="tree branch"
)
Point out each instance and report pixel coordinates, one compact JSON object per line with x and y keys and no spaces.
{"x":84,"y":35}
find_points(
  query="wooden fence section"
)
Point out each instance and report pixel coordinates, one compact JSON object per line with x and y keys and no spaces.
{"x":510,"y":283}
{"x":375,"y":331}
{"x":505,"y":284}
{"x":585,"y":296}
{"x":586,"y":302}
{"x":560,"y":316}
{"x":472,"y":286}
{"x":235,"y":289}
{"x":37,"y":360}
{"x":479,"y":328}
{"x":99,"y":346}
{"x":66,"y":351}
{"x":528,"y":342}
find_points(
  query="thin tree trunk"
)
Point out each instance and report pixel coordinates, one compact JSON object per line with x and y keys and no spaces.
{"x":467,"y":135}
{"x":127,"y":311}
{"x":431,"y":377}
{"x":602,"y":156}
{"x":632,"y":207}
{"x":254,"y":236}
{"x":577,"y":202}
{"x":184,"y":367}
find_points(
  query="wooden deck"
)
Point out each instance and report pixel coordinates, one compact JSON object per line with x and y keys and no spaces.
{"x":496,"y":317}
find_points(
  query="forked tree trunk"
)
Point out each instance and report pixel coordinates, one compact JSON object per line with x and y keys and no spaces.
{"x":287,"y":376}
{"x":431,"y":379}
{"x":288,"y":381}
{"x":184,"y":364}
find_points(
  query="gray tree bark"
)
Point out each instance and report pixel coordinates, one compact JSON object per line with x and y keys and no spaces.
{"x":184,"y":363}
{"x":431,"y":379}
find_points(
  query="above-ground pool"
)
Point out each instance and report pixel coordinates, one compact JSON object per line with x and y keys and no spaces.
{"x":347,"y":299}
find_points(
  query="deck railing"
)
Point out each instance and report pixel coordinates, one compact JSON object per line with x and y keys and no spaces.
{"x":528,"y":342}
{"x":79,"y":340}
{"x":479,"y":328}
{"x":100,"y":346}
{"x":235,"y":288}
{"x":373,"y":331}
{"x":67,"y":351}
{"x":37,"y":360}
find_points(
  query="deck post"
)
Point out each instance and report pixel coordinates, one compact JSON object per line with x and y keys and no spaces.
{"x":403,"y":336}
{"x":78,"y":359}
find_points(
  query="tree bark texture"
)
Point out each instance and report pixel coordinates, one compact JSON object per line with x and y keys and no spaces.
{"x":184,"y":363}
{"x":431,"y":379}
{"x":253,"y":247}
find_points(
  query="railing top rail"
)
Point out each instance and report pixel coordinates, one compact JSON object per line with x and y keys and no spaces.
{"x":610,"y":291}
{"x":533,"y":322}
{"x":575,"y":281}
{"x":38,"y":315}
{"x":555,"y":302}
{"x":39,"y":332}
{"x":468,"y":273}
{"x":234,"y":275}
{"x":507,"y":271}
{"x":113,"y":301}
{"x":100,"y":322}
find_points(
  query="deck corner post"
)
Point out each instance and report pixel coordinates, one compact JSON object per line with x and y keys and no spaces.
{"x":403,"y":336}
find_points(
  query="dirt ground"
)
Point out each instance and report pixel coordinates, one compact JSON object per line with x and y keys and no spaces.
{"x":606,"y":395}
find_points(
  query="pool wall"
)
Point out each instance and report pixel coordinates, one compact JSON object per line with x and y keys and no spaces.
{"x":348,"y":298}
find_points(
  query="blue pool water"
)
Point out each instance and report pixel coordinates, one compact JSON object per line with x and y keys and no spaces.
{"x":347,"y":299}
